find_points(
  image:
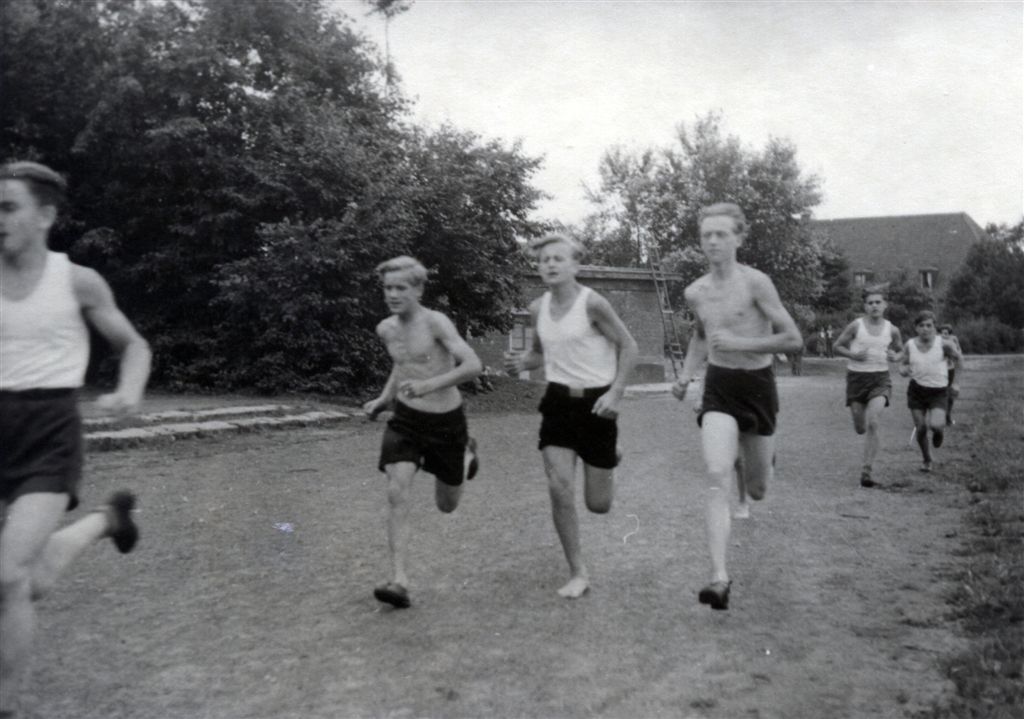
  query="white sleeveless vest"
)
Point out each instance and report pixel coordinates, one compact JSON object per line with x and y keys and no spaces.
{"x":44,"y":341}
{"x":576,"y":354}
{"x":928,"y":369}
{"x":876,"y":346}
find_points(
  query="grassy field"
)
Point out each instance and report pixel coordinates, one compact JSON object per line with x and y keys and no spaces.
{"x":250,"y":593}
{"x":988,"y":597}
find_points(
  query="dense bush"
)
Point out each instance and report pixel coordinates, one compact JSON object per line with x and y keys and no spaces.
{"x":237,"y":170}
{"x":986,"y":335}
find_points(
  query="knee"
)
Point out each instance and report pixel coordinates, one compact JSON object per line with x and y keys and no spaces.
{"x":396,"y":497}
{"x":860,"y":427}
{"x":872,"y":425}
{"x":560,"y":488}
{"x":720,"y":475}
{"x":15,"y":584}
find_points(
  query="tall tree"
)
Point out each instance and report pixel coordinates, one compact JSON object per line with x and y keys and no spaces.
{"x":389,"y":10}
{"x":990,"y":283}
{"x":656,"y":195}
{"x":223,"y":153}
{"x":836,"y":291}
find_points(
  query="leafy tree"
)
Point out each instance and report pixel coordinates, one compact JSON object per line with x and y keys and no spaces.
{"x":990,"y":283}
{"x":616,"y":248}
{"x":836,"y":294}
{"x":905,"y":298}
{"x":655,"y":196}
{"x":222,"y":153}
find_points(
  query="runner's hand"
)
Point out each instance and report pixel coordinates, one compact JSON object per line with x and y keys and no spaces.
{"x":374,"y":407}
{"x":607,"y":405}
{"x":679,"y":389}
{"x":724,"y":341}
{"x":513,"y":363}
{"x":117,"y":403}
{"x":413,"y":388}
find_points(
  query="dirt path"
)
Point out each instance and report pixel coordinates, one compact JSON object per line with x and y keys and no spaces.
{"x":250,"y":594}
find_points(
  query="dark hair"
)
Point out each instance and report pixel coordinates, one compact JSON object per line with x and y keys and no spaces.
{"x":45,"y":185}
{"x":946,"y":326}
{"x":924,"y":316}
{"x":872,"y":290}
{"x":725,"y":209}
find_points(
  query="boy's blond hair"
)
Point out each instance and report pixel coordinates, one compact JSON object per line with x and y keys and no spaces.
{"x":551,"y":238}
{"x":725,"y":209}
{"x":412,"y":267}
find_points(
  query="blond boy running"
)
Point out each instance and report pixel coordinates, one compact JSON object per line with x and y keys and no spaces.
{"x":587,"y":354}
{"x":428,"y":428}
{"x":742,"y":323}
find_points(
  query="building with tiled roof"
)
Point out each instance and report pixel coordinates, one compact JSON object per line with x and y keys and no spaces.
{"x":930,"y":247}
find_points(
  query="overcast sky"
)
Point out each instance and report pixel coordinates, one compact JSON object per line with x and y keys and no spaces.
{"x":900,"y":108}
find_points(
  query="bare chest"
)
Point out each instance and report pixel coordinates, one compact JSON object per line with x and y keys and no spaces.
{"x":727,"y":306}
{"x":414,"y":346}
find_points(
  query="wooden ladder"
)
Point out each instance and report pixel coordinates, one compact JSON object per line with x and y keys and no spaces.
{"x":673,"y":343}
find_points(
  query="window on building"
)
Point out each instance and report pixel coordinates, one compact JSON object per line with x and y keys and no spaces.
{"x":928,"y":279}
{"x":860,"y":279}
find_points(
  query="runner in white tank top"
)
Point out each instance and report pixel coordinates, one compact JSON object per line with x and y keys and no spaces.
{"x":576,"y":353}
{"x":44,"y":351}
{"x":924,"y":360}
{"x":587,"y":354}
{"x":868,"y":343}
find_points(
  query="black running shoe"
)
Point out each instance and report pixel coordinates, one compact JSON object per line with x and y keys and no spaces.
{"x":123,"y":530}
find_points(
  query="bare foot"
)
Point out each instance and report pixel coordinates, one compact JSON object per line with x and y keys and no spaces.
{"x":575,"y":589}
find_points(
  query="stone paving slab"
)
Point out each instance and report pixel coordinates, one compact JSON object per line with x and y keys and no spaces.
{"x":192,"y":414}
{"x":135,"y":436}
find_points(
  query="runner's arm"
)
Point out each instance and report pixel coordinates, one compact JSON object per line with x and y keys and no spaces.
{"x":516,"y":362}
{"x":611,"y":326}
{"x":952,"y":351}
{"x":894,"y":355}
{"x":785,"y":336}
{"x":842,"y":344}
{"x":696,"y":350}
{"x":467,"y":364}
{"x":904,"y":359}
{"x":101,"y":311}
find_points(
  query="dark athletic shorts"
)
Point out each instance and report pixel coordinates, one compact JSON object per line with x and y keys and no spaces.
{"x":862,"y":387}
{"x":568,"y":421}
{"x":748,"y":396}
{"x":926,"y":398}
{"x":40,"y":444}
{"x":434,"y":441}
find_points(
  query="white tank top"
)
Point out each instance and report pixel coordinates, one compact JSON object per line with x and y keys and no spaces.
{"x":576,"y":354}
{"x":876,"y":347}
{"x":44,"y":341}
{"x":928,"y":369}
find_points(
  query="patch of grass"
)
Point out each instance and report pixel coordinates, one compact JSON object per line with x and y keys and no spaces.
{"x":989,"y":597}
